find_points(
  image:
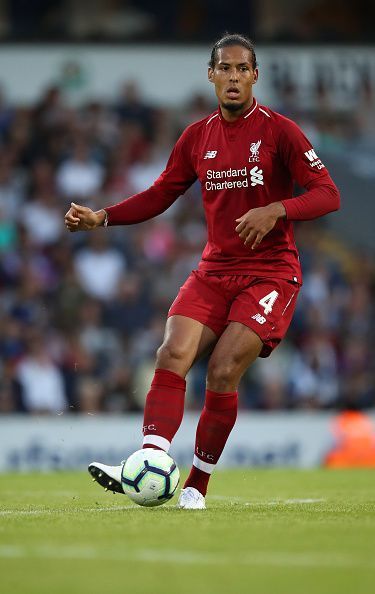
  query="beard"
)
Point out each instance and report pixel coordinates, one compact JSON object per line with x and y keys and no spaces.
{"x":233,"y":107}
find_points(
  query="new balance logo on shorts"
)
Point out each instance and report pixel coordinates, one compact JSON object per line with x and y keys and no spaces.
{"x":259,"y":318}
{"x":256,"y":176}
{"x":210,"y":154}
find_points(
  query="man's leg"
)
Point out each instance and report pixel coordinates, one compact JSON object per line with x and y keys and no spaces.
{"x":185,"y":341}
{"x":236,"y":349}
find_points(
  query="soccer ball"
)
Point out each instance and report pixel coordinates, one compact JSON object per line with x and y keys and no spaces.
{"x":150,"y":477}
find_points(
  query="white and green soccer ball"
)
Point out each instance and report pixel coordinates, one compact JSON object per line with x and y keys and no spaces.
{"x":150,"y":477}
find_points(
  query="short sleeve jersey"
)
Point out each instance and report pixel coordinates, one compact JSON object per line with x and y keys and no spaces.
{"x":243,"y":165}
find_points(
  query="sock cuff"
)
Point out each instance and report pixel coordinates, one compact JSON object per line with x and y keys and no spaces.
{"x":158,"y":441}
{"x":221,"y":400}
{"x":164,"y":377}
{"x":203,"y":466}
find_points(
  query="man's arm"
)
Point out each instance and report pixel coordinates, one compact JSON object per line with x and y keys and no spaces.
{"x":257,"y":222}
{"x":321,"y":196}
{"x":142,"y":206}
{"x":82,"y":218}
{"x":136,"y":209}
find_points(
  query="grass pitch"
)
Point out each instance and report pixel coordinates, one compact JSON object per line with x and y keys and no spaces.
{"x":264,"y":532}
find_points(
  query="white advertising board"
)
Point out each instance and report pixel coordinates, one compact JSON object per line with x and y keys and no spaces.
{"x":169,"y":75}
{"x":71,"y":442}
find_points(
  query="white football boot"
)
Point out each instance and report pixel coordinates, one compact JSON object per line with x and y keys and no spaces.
{"x":108,"y":477}
{"x":190,"y":498}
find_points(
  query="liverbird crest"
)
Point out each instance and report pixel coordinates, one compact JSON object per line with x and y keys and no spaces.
{"x":254,"y":150}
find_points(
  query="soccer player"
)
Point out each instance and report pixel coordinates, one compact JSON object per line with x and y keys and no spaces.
{"x":238,"y":304}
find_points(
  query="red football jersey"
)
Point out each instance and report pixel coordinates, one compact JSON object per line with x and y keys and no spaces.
{"x":242,"y":165}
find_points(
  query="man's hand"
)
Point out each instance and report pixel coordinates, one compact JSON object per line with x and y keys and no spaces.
{"x":257,"y":222}
{"x":82,"y":218}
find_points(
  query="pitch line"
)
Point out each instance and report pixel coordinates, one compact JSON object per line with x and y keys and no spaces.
{"x":116,"y":508}
{"x":244,"y":501}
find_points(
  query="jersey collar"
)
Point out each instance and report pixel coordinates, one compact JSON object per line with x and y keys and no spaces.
{"x":245,"y":116}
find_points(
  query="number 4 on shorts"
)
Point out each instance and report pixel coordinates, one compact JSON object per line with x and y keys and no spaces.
{"x":268,"y":301}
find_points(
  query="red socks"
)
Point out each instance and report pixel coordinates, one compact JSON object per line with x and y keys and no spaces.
{"x":164,"y":409}
{"x":163,"y":415}
{"x":215,"y":424}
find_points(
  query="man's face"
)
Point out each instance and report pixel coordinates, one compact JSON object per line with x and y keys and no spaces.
{"x":233,"y":77}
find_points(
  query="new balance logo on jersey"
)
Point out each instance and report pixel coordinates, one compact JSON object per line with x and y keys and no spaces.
{"x":258,"y":318}
{"x":256,"y":176}
{"x":210,"y":154}
{"x":254,"y":150}
{"x":314,"y":159}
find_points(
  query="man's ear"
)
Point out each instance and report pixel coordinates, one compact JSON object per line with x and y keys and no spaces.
{"x":255,"y":76}
{"x":210,"y":75}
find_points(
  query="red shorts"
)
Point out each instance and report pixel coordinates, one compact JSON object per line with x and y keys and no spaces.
{"x":266,"y":305}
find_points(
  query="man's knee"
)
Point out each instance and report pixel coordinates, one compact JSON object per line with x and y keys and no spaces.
{"x":170,"y":351}
{"x":223,"y":375}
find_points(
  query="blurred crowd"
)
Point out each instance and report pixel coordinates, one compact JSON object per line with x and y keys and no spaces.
{"x":81,"y":315}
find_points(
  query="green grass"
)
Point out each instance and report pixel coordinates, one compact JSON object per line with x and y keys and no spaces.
{"x":264,"y":532}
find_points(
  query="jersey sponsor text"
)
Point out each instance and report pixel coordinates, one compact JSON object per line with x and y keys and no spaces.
{"x":227,"y":184}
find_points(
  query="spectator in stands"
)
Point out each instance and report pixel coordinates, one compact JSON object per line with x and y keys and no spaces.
{"x":40,"y":380}
{"x":100,"y":341}
{"x":130,"y":107}
{"x":80,"y":176}
{"x":42,"y":220}
{"x":6,"y":115}
{"x":12,"y":187}
{"x":100,"y":267}
{"x":131,"y":307}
